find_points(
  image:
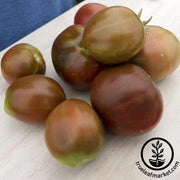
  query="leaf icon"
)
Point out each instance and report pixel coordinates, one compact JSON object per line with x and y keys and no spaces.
{"x":161,"y":150}
{"x":160,"y":145}
{"x":153,"y":145}
{"x":157,"y":142}
{"x":153,"y":151}
{"x":161,"y":155}
{"x":153,"y":156}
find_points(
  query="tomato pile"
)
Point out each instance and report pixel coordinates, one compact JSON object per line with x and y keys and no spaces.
{"x":108,"y":50}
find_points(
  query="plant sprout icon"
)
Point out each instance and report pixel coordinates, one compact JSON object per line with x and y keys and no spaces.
{"x":157,"y":153}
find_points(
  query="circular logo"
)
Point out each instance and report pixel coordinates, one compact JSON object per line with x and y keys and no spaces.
{"x":157,"y":153}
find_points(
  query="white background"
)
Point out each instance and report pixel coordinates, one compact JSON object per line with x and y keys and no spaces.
{"x":23,"y":153}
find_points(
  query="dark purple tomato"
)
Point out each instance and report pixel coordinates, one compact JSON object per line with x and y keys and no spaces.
{"x":71,"y":60}
{"x":127,"y":100}
{"x":22,"y":60}
{"x":87,"y":11}
{"x":74,"y":133}
{"x":160,"y":54}
{"x":114,"y":35}
{"x":30,"y":99}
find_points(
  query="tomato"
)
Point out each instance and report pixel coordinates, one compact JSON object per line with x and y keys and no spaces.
{"x":22,"y":60}
{"x":30,"y":99}
{"x":74,"y":133}
{"x":71,"y":61}
{"x":114,"y":35}
{"x":127,"y":100}
{"x":87,"y":11}
{"x":160,"y":54}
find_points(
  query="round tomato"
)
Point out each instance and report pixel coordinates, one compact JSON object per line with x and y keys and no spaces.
{"x":22,"y":60}
{"x":30,"y":99}
{"x":71,"y":60}
{"x":114,"y":35}
{"x":127,"y":100}
{"x":160,"y":54}
{"x":87,"y":11}
{"x":74,"y":133}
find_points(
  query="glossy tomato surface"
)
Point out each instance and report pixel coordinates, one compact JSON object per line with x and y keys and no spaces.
{"x":71,"y":61}
{"x":127,"y":100}
{"x":22,"y":60}
{"x":30,"y":99}
{"x":87,"y":11}
{"x":74,"y":133}
{"x":114,"y":35}
{"x":160,"y":54}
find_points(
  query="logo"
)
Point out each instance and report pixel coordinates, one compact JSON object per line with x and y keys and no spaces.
{"x":157,"y":154}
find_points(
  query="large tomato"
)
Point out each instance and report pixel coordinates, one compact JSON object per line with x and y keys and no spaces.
{"x":71,"y":60}
{"x":127,"y":100}
{"x":114,"y":35}
{"x":30,"y":99}
{"x":74,"y":133}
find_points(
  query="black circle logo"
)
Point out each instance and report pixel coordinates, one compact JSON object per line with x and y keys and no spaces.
{"x":157,"y":153}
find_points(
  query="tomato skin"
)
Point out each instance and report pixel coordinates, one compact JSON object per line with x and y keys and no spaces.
{"x":74,"y":133}
{"x":87,"y":11}
{"x":114,"y":35}
{"x":71,"y":61}
{"x":127,"y":100}
{"x":30,"y":99}
{"x":22,"y":60}
{"x":160,"y":54}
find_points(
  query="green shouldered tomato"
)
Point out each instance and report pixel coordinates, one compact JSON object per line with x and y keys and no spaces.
{"x":114,"y":35}
{"x":74,"y":133}
{"x":30,"y":99}
{"x":71,"y":60}
{"x":22,"y":60}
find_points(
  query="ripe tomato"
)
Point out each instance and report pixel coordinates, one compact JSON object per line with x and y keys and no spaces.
{"x":87,"y":11}
{"x":74,"y":133}
{"x":71,"y":60}
{"x":30,"y":99}
{"x":114,"y":35}
{"x":127,"y":100}
{"x":22,"y":60}
{"x":160,"y":54}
